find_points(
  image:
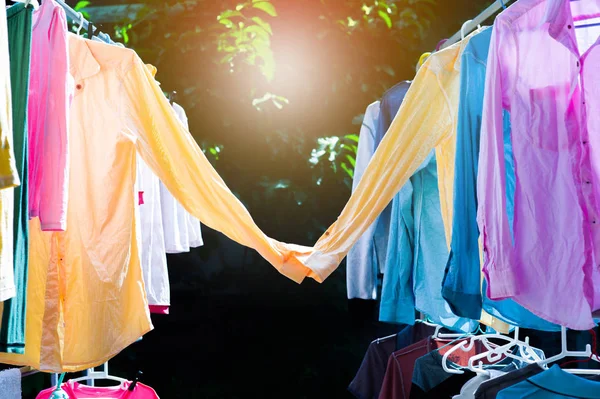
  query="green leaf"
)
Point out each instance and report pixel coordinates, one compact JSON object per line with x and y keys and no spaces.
{"x":81,"y":4}
{"x":227,"y":22}
{"x":229,"y":14}
{"x":260,"y":22}
{"x":266,"y":7}
{"x":386,"y":18}
{"x":353,"y":137}
{"x":351,"y":159}
{"x":348,"y":171}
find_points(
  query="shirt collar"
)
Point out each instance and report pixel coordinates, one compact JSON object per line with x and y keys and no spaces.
{"x":560,"y":19}
{"x":559,"y":381}
{"x":82,"y":60}
{"x":558,"y":16}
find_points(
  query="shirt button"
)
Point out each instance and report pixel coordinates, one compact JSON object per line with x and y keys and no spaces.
{"x":79,"y":86}
{"x":569,"y":26}
{"x":584,"y":142}
{"x":577,"y":64}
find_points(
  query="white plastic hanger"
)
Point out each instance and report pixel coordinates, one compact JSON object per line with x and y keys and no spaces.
{"x":463,"y":31}
{"x":526,"y":354}
{"x":34,"y":3}
{"x":587,"y":353}
{"x":493,"y":353}
{"x":81,"y":19}
{"x":438,"y":328}
{"x":92,"y":375}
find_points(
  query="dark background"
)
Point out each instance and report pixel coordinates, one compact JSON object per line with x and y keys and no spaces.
{"x":237,"y":328}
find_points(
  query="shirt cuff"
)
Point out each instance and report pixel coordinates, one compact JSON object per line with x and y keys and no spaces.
{"x":54,"y":226}
{"x":8,"y":292}
{"x":502,"y":282}
{"x":9,"y":181}
{"x":159,"y":309}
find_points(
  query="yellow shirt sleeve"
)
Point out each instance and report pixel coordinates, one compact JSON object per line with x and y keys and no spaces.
{"x":415,"y":131}
{"x":172,"y":153}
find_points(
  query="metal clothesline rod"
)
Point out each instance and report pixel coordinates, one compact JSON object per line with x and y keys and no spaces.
{"x":478,"y":20}
{"x":77,"y":18}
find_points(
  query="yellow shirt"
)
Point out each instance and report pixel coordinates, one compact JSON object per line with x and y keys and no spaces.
{"x":86,"y":299}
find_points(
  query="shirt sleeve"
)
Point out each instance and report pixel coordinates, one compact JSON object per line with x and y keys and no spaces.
{"x":172,"y":153}
{"x":421,"y":123}
{"x":461,"y":286}
{"x":54,"y":188}
{"x":361,"y":265}
{"x":9,"y":176}
{"x":491,"y":180}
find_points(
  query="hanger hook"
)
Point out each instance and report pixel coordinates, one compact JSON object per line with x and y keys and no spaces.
{"x":463,"y":27}
{"x":502,"y":3}
{"x":81,"y":19}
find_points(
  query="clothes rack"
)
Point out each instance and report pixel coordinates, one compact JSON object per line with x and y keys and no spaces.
{"x":478,"y":20}
{"x":76,"y":16}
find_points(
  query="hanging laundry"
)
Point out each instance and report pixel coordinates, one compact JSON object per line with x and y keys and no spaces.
{"x":417,"y":255}
{"x":152,"y":247}
{"x":76,"y":390}
{"x":181,"y":230}
{"x":491,"y":388}
{"x":12,"y":329}
{"x":9,"y":176}
{"x":401,"y":366}
{"x":408,"y":142}
{"x":369,"y":378}
{"x":550,"y":264}
{"x":366,"y":258}
{"x":50,"y":94}
{"x":461,"y":285}
{"x":554,"y":383}
{"x":121,"y":110}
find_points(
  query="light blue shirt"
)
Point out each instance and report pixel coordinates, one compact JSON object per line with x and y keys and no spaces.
{"x":417,"y":254}
{"x":367,"y":256}
{"x":462,"y":279}
{"x":366,"y":260}
{"x":554,"y":383}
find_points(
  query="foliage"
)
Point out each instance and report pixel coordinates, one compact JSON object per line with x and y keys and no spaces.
{"x":80,"y":7}
{"x":338,"y":153}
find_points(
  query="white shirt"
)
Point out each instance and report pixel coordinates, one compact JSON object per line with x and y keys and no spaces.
{"x":153,"y":252}
{"x":181,"y":230}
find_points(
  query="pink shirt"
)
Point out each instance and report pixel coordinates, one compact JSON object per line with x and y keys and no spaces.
{"x":543,"y":68}
{"x":76,"y":390}
{"x":50,"y":93}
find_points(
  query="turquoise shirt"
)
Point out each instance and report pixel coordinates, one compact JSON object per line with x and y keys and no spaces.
{"x":462,"y":279}
{"x":417,"y":254}
{"x":554,"y":383}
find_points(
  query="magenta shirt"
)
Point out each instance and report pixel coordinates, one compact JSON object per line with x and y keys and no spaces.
{"x":76,"y":390}
{"x":544,"y":70}
{"x":50,"y":93}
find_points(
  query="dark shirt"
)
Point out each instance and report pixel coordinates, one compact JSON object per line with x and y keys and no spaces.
{"x":430,"y":380}
{"x":369,"y":378}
